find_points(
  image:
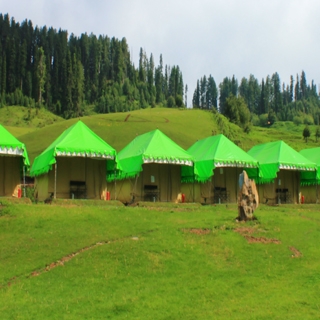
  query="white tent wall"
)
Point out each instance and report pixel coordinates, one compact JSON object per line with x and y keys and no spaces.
{"x":207,"y":192}
{"x":228,"y":178}
{"x":310,"y":193}
{"x":41,"y":187}
{"x":90,"y":171}
{"x":192,"y":191}
{"x":10,"y":175}
{"x":267,"y":193}
{"x":286,"y":179}
{"x":121,"y":190}
{"x":165,"y":178}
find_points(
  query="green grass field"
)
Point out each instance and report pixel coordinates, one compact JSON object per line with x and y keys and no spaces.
{"x":87,"y":260}
{"x":184,"y":127}
{"x":101,"y":260}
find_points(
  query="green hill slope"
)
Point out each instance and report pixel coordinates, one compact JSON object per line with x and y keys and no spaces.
{"x":21,"y":120}
{"x":183,"y":126}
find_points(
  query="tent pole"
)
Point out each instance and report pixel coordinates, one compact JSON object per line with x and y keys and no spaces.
{"x":55,"y":181}
{"x":170,"y":185}
{"x":24,"y":181}
{"x":210,"y":190}
{"x":193,"y":188}
{"x":115,"y":185}
{"x":236,"y":183}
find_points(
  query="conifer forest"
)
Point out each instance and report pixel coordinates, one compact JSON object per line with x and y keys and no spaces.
{"x":42,"y":67}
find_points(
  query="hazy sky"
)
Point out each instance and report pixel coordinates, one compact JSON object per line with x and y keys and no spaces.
{"x":218,"y":37}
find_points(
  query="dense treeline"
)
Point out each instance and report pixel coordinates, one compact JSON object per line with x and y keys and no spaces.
{"x":66,"y":74}
{"x":45,"y":67}
{"x":267,"y":102}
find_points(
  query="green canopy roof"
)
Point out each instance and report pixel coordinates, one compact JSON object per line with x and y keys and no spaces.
{"x":311,"y":177}
{"x":216,"y":151}
{"x":151,"y":147}
{"x":273,"y":156}
{"x":9,"y":145}
{"x":76,"y":141}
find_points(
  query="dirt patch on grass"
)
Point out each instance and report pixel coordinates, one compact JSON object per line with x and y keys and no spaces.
{"x":295,"y":252}
{"x":247,"y":232}
{"x":198,"y":231}
{"x":252,"y":239}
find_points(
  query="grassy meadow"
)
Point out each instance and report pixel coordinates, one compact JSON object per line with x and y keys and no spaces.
{"x":83,"y":260}
{"x":101,"y":260}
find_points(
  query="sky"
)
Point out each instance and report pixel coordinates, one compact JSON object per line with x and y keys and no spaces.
{"x":221,"y":38}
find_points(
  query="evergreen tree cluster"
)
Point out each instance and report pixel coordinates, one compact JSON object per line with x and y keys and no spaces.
{"x":45,"y":67}
{"x":268,"y":101}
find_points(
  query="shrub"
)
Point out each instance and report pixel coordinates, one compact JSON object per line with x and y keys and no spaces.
{"x":297,"y":120}
{"x":308,"y":120}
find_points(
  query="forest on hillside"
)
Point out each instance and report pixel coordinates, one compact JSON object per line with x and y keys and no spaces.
{"x":46,"y":67}
{"x":68,"y":75}
{"x":262,"y":103}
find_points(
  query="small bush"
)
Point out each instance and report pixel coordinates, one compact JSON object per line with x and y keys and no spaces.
{"x":297,"y":120}
{"x":308,"y":120}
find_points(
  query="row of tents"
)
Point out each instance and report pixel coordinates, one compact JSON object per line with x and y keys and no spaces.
{"x":152,"y":167}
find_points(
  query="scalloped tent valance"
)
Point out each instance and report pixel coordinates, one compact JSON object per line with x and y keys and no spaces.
{"x":151,"y":147}
{"x":275,"y":156}
{"x":76,"y":141}
{"x":214,"y":152}
{"x":11,"y":146}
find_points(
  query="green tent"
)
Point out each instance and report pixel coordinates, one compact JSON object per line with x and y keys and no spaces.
{"x":150,"y":169}
{"x":151,"y":147}
{"x":214,"y":152}
{"x":13,"y":161}
{"x":274,"y":156}
{"x":77,"y":149}
{"x":311,"y":177}
{"x":76,"y":141}
{"x":9,"y":145}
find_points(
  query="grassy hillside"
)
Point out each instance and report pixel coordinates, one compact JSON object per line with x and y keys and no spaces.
{"x":21,"y":120}
{"x":178,"y":262}
{"x":183,"y":126}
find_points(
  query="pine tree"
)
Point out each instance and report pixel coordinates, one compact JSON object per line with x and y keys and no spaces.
{"x":142,"y":66}
{"x":186,"y":96}
{"x":297,"y":90}
{"x":77,"y":88}
{"x":303,"y":86}
{"x":159,"y":81}
{"x":277,"y":96}
{"x":196,"y":96}
{"x":40,"y":67}
{"x":203,"y":91}
{"x":225,"y":91}
{"x":212,"y":93}
{"x":291,"y":88}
